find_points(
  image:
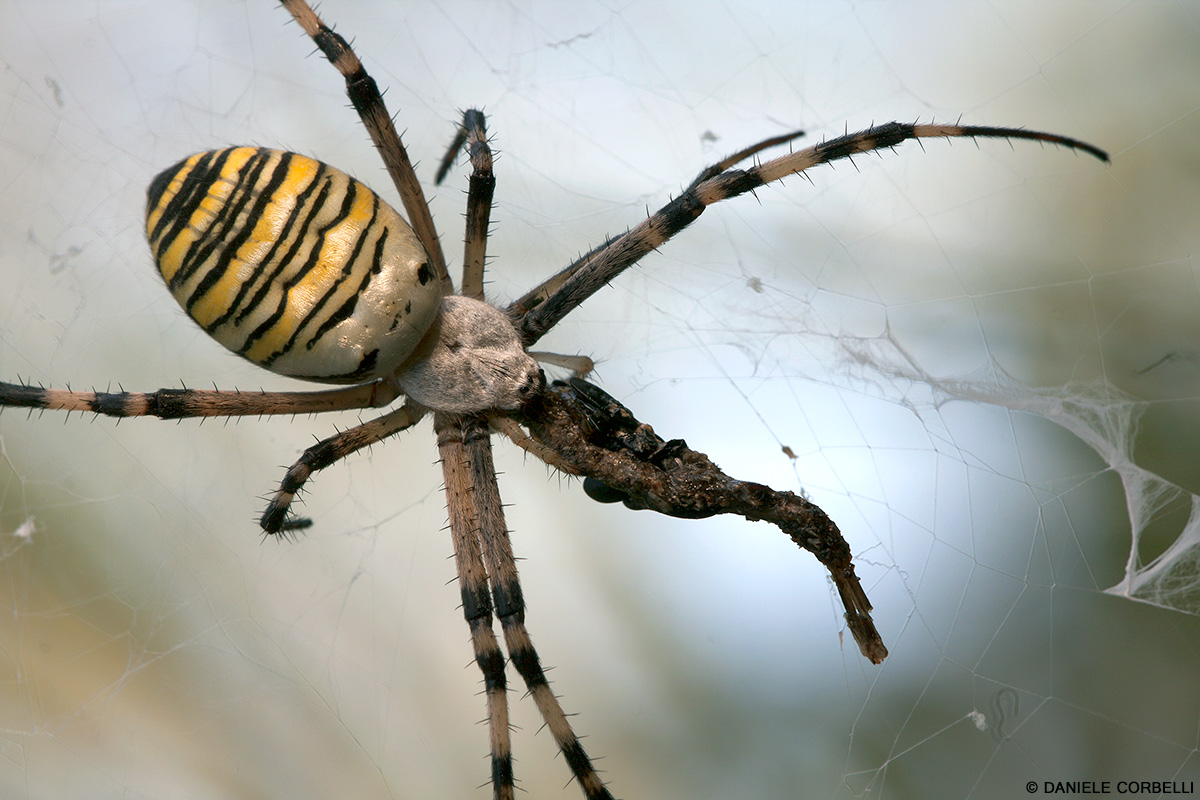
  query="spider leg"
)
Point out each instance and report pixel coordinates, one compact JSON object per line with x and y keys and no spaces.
{"x":479,"y":202}
{"x":460,"y":136}
{"x":580,"y":365}
{"x":476,"y":599}
{"x":543,"y":290}
{"x":545,"y":306}
{"x":181,"y":403}
{"x":510,"y":605}
{"x":368,"y":102}
{"x":329,"y":451}
{"x":516,"y":433}
{"x":742,"y":155}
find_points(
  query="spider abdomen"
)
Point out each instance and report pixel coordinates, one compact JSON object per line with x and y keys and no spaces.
{"x":291,"y":263}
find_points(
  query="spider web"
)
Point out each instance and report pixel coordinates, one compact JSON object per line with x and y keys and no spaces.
{"x":979,"y":360}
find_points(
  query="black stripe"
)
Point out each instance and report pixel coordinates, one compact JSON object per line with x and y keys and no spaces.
{"x":314,"y":258}
{"x":197,"y":184}
{"x":159,"y":185}
{"x":231,"y":245}
{"x":264,"y":263}
{"x":874,"y":138}
{"x":112,"y":404}
{"x":271,"y":280}
{"x":194,"y":188}
{"x":509,"y":600}
{"x":366,"y":367}
{"x":502,"y":770}
{"x":17,"y":394}
{"x":580,"y":764}
{"x":310,"y":262}
{"x":224,"y":223}
{"x":347,"y":308}
{"x":476,"y":603}
{"x":525,"y":659}
{"x":265,"y":277}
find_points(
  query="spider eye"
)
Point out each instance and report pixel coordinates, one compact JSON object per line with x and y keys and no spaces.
{"x":531,"y":383}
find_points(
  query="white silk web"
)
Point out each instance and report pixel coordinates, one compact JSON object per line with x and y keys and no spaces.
{"x":979,"y":359}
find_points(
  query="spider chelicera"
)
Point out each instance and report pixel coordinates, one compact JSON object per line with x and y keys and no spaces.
{"x":303,"y":270}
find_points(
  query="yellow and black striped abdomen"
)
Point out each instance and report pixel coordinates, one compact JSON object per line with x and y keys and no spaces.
{"x":291,"y":263}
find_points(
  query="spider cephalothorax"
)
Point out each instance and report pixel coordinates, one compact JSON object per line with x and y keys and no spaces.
{"x":305,"y":271}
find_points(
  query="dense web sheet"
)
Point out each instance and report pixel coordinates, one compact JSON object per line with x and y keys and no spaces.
{"x":1105,"y":419}
{"x":980,"y":360}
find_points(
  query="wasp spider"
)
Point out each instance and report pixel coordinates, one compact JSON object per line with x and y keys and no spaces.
{"x":303,"y":270}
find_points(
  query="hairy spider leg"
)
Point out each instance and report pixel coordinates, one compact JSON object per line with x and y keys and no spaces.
{"x":184,"y":403}
{"x":509,"y":604}
{"x":368,"y":102}
{"x":546,"y":305}
{"x":330,"y":451}
{"x":463,"y":511}
{"x":481,"y":186}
